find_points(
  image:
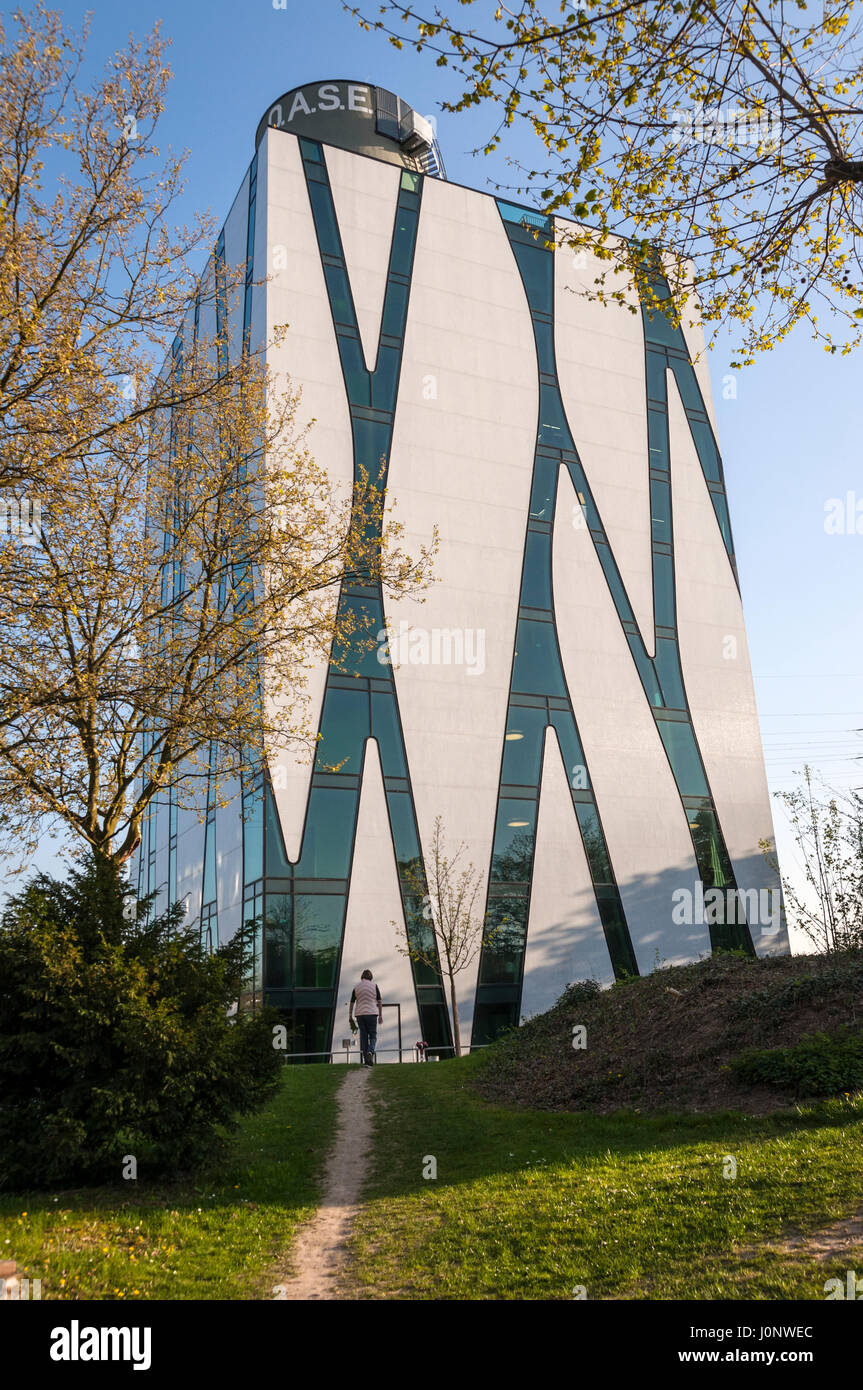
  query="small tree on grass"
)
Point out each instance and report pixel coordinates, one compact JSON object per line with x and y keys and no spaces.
{"x":828,"y":832}
{"x":115,"y":1040}
{"x":453,"y":929}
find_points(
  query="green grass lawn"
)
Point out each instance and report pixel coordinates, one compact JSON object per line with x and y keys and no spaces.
{"x":526,"y":1203}
{"x":531,"y":1204}
{"x":217,"y":1236}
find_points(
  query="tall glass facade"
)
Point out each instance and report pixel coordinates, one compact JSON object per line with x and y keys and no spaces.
{"x":538,"y":697}
{"x":299,"y":909}
{"x":532,"y":240}
{"x":304,"y":905}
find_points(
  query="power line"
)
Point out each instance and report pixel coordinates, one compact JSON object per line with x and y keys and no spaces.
{"x":817,"y":714}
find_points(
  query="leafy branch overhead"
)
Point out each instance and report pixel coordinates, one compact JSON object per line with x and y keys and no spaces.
{"x":726,"y":134}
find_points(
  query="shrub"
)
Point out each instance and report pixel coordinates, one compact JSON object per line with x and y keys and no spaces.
{"x":817,"y":1065}
{"x":579,"y":992}
{"x":115,"y":1035}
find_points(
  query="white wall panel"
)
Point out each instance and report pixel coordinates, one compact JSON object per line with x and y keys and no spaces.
{"x":307,"y":357}
{"x":645,"y":825}
{"x":600,"y":365}
{"x":693,"y":333}
{"x":462,"y":459}
{"x":364,"y":194}
{"x":261,"y":261}
{"x":374,"y":904}
{"x":565,"y":940}
{"x":716,"y":672}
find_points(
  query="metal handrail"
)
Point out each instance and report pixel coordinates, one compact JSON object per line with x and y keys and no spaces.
{"x":348,"y":1052}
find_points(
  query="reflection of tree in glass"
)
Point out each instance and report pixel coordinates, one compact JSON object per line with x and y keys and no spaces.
{"x":421,"y":935}
{"x":513,"y":865}
{"x":506,"y":918}
{"x":251,"y":935}
{"x":316,"y":968}
{"x":411,"y":870}
{"x":505,"y":926}
{"x":594,"y":845}
{"x":357,"y":638}
{"x":317,"y":946}
{"x":278,"y":953}
{"x":713,"y":865}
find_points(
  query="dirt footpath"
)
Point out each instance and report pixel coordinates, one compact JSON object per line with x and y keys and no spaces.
{"x":319,"y":1250}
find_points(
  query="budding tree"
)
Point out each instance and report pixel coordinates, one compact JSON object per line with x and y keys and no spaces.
{"x":827,"y":904}
{"x":158,"y":619}
{"x":94,"y":276}
{"x":725,"y":133}
{"x":453,"y":928}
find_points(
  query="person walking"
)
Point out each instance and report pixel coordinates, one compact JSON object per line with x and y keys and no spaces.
{"x":366,"y":998}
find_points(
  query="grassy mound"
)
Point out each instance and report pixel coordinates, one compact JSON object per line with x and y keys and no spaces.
{"x":670,"y":1040}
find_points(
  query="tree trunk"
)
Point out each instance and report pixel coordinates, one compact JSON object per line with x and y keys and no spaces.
{"x":456,"y":1035}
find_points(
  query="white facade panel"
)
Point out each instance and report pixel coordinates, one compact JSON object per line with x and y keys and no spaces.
{"x":600,"y":366}
{"x":715,"y":659}
{"x":565,"y":939}
{"x":364,"y":195}
{"x":308,"y":358}
{"x":645,"y":824}
{"x":371,"y":940}
{"x":693,"y":333}
{"x":462,"y":459}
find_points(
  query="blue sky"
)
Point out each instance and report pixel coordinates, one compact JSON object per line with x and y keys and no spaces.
{"x":790,"y":440}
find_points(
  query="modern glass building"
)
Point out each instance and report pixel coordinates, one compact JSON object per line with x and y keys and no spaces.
{"x":574,"y":697}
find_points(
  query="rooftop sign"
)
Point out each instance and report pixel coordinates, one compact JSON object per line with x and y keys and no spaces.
{"x":329,"y":96}
{"x":357,"y":116}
